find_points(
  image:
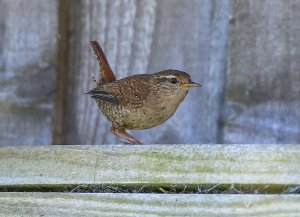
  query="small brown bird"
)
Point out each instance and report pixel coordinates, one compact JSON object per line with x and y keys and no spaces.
{"x":140,"y":101}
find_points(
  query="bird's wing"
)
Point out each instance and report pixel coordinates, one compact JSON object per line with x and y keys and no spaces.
{"x":106,"y":74}
{"x":103,"y":93}
{"x":135,"y":90}
{"x":130,"y":91}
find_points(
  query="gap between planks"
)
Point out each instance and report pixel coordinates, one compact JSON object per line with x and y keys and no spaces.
{"x":158,"y":168}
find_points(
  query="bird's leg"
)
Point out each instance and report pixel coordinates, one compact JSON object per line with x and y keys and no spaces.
{"x":122,"y":133}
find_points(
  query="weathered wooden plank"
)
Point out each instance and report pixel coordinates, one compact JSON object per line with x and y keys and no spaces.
{"x":151,"y":165}
{"x":28,"y":33}
{"x":262,"y":103}
{"x":67,"y":204}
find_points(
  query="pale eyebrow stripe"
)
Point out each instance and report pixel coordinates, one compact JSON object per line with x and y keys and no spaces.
{"x":167,"y":76}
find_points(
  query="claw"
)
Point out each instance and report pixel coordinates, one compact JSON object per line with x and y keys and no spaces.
{"x":122,"y":133}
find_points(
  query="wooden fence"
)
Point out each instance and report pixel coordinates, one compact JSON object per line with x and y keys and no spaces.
{"x":244,"y":53}
{"x":150,"y":180}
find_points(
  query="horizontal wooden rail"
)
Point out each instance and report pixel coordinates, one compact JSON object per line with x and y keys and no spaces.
{"x":66,"y":204}
{"x":150,"y":173}
{"x":147,"y":165}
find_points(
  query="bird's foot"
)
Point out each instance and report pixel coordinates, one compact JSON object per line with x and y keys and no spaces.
{"x":122,"y":133}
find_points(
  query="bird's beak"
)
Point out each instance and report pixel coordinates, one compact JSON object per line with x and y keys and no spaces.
{"x":191,"y":84}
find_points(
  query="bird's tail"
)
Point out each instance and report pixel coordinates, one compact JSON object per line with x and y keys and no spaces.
{"x":106,"y":74}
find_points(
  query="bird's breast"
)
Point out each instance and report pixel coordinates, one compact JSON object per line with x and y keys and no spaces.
{"x":152,"y":111}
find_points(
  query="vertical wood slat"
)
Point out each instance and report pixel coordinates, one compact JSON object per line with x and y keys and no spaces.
{"x":27,"y":71}
{"x":262,"y":99}
{"x":217,"y":71}
{"x":62,"y":69}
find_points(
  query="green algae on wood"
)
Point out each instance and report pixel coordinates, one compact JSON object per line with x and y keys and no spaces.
{"x":151,"y":165}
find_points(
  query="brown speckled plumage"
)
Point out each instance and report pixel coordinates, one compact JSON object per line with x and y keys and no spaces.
{"x":139,"y":101}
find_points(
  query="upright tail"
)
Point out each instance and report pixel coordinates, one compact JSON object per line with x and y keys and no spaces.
{"x":106,"y":74}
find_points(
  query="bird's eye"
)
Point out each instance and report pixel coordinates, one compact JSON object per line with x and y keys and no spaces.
{"x":173,"y":80}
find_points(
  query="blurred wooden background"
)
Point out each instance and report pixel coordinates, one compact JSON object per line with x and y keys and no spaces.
{"x":244,"y":53}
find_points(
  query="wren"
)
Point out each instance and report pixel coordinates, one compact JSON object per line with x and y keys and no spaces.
{"x":139,"y":101}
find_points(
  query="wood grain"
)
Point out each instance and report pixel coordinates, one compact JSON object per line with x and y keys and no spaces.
{"x":151,"y":165}
{"x":262,"y":98}
{"x":27,"y":71}
{"x":125,"y":205}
